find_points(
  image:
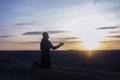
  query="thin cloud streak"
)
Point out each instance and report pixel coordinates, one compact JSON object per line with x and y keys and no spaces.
{"x":40,"y":32}
{"x":5,"y":36}
{"x":115,"y":36}
{"x":68,"y":42}
{"x":32,"y":33}
{"x":112,"y":41}
{"x":23,"y":24}
{"x":69,"y":38}
{"x":114,"y":27}
{"x":114,"y":32}
{"x":37,"y":42}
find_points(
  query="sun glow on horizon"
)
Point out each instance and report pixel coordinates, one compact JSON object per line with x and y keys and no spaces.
{"x":85,"y":26}
{"x":88,"y":32}
{"x":91,"y":45}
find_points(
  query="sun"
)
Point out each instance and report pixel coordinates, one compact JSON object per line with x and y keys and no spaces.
{"x":90,"y":45}
{"x":91,"y":39}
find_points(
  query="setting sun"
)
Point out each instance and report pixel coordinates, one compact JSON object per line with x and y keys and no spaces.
{"x":91,"y":45}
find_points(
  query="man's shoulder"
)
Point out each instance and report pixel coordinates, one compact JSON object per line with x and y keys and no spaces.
{"x":45,"y":40}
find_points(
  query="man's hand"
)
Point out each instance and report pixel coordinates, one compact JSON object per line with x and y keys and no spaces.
{"x":61,"y":43}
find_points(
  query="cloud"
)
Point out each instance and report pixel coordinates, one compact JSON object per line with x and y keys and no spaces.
{"x":56,"y":32}
{"x":113,"y":27}
{"x":5,"y":36}
{"x":111,"y":41}
{"x":68,"y":42}
{"x":114,"y":32}
{"x":39,"y":32}
{"x":32,"y":33}
{"x":115,"y":36}
{"x":23,"y":24}
{"x":34,"y":42}
{"x":69,"y":38}
{"x":37,"y":42}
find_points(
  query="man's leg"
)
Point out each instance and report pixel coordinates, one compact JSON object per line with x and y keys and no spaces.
{"x":45,"y":61}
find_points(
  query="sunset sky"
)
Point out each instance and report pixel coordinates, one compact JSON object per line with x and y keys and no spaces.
{"x":81,"y":24}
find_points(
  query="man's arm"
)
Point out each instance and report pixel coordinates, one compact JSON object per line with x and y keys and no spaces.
{"x":57,"y":46}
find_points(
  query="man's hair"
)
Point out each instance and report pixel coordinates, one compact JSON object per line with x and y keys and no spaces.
{"x":45,"y":34}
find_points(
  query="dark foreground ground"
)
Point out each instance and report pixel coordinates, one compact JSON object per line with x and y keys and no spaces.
{"x":66,"y":65}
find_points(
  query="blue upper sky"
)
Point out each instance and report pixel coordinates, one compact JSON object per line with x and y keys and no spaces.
{"x":18,"y":17}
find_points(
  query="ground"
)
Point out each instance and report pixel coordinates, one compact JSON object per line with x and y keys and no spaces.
{"x":11,"y":71}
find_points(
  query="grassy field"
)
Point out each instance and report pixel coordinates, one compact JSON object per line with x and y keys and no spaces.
{"x":66,"y":65}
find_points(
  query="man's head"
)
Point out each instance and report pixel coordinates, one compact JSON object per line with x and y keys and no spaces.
{"x":45,"y":35}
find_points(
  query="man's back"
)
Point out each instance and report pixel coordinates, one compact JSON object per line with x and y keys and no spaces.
{"x":45,"y":45}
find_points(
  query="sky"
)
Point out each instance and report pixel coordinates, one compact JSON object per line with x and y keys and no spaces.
{"x":80,"y":24}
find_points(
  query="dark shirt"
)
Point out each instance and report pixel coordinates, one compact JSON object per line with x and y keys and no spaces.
{"x":45,"y":45}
